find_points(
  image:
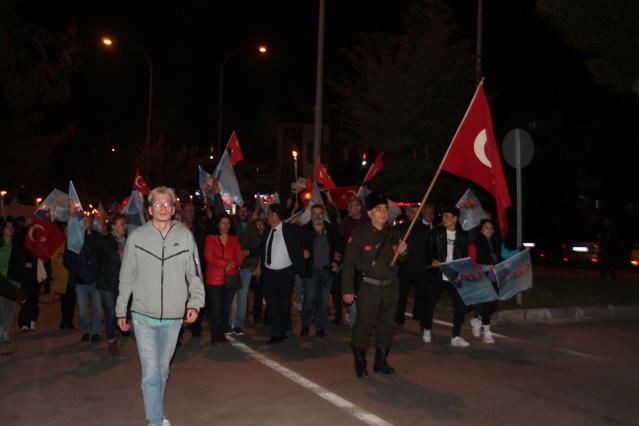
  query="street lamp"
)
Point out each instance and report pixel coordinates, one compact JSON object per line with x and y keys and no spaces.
{"x":261,"y":49}
{"x":107,"y":41}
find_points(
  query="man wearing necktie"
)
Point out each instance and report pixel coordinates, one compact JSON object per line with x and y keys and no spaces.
{"x":284,"y":249}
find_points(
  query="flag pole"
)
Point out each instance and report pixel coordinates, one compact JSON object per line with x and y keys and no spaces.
{"x":439,"y":169}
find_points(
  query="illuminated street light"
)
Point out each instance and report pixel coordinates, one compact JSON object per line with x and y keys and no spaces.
{"x":262,"y":50}
{"x":108,"y":42}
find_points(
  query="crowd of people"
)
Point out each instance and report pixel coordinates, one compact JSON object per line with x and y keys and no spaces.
{"x":188,"y":265}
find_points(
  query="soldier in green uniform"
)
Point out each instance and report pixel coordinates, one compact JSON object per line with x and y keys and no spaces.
{"x":371,"y":248}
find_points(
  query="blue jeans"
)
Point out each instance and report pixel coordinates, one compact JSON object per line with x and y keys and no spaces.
{"x":84,"y":292}
{"x":316,"y":291}
{"x":156,"y":345}
{"x":242,"y":299}
{"x":110,"y":320}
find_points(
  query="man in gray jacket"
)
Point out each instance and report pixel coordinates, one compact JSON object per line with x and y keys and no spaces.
{"x":161,"y":268}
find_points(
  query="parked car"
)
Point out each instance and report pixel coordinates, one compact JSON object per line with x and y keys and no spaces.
{"x":580,"y":253}
{"x":586,"y":251}
{"x":634,"y":257}
{"x":544,"y":248}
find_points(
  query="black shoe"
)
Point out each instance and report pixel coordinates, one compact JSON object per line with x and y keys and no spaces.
{"x":337,"y":321}
{"x":95,"y":339}
{"x":304,"y":331}
{"x":196,"y":333}
{"x":320,"y":333}
{"x":274,"y":339}
{"x":62,"y":326}
{"x":284,"y":336}
{"x":85,"y":338}
{"x":125,"y":333}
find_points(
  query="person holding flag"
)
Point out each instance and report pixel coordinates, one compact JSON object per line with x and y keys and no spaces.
{"x":446,"y":243}
{"x":370,"y":249}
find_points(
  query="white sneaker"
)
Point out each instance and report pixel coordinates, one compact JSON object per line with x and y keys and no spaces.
{"x":475,"y":323}
{"x":32,"y":325}
{"x":426,"y":336}
{"x":459,"y":342}
{"x":166,"y":422}
{"x":488,"y":337}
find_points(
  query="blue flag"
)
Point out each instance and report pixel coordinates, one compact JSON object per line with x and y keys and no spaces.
{"x":54,"y":208}
{"x":75,"y":226}
{"x":229,"y":188}
{"x":134,"y":211}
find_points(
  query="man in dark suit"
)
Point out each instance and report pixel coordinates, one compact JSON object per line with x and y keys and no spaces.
{"x":284,"y":249}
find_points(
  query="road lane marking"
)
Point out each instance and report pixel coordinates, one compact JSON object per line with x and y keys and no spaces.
{"x":352,"y":409}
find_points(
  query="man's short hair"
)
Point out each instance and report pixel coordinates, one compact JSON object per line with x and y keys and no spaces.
{"x":162,"y":190}
{"x":452,"y":210}
{"x":318,"y":206}
{"x":354,"y":200}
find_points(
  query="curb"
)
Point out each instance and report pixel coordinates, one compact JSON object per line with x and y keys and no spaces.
{"x":555,"y":315}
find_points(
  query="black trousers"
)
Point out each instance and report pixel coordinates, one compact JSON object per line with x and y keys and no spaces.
{"x":336,"y":295}
{"x":278,"y":288}
{"x":258,"y":295}
{"x":67,"y":305}
{"x":406,"y":281}
{"x":437,"y":287}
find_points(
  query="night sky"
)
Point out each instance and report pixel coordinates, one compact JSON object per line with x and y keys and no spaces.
{"x":530,"y":73}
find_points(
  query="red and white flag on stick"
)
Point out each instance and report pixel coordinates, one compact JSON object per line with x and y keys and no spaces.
{"x":322,"y":177}
{"x":236,"y":151}
{"x":473,"y":155}
{"x":139,"y":184}
{"x":375,"y":168}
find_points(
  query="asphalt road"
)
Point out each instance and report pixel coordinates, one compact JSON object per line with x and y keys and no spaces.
{"x":561,"y":374}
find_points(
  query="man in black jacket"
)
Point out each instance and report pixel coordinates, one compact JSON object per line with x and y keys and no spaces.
{"x":84,"y":268}
{"x":284,"y":249}
{"x":413,"y":271}
{"x":447,"y":242}
{"x":317,"y":286}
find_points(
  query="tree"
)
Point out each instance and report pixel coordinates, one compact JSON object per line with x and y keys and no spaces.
{"x":607,"y":31}
{"x":35,"y":64}
{"x":177,"y":168}
{"x":409,"y":97}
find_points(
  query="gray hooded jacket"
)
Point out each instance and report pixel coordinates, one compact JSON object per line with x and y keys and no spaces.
{"x":162,"y":273}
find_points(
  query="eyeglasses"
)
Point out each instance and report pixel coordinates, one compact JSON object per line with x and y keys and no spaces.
{"x":165,"y":204}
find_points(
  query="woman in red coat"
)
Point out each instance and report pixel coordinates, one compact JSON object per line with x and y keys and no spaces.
{"x":222,"y":254}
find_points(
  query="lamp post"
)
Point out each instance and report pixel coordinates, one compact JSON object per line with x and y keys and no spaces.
{"x":107,"y":41}
{"x":2,"y":194}
{"x":261,"y":49}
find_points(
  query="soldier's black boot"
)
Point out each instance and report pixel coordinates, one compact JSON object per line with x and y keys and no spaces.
{"x":380,"y":365}
{"x":360,"y":362}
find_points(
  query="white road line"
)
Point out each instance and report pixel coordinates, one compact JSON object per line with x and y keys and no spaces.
{"x":333,"y":398}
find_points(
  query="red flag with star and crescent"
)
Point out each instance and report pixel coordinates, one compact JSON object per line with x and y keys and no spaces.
{"x":342,"y":194}
{"x":139,"y":184}
{"x":473,"y":155}
{"x":322,"y":177}
{"x":234,"y":146}
{"x":43,"y":238}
